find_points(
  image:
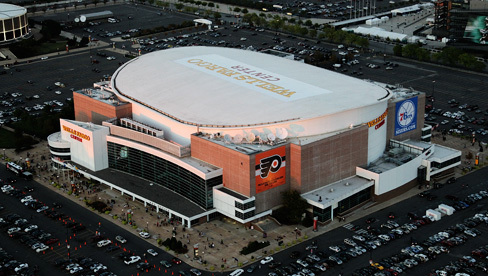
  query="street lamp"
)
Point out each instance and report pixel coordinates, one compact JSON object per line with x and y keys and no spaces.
{"x":147,"y":226}
{"x":3,"y":154}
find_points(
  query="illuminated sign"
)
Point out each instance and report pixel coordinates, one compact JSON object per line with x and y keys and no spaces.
{"x":270,"y":169}
{"x":406,"y":116}
{"x":379,"y":125}
{"x":76,"y":134}
{"x":259,"y":80}
{"x":379,"y":119}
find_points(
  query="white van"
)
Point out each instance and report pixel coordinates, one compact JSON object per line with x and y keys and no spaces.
{"x":237,"y":272}
{"x":112,"y":20}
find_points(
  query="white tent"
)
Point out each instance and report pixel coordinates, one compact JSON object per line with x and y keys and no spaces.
{"x":381,"y":33}
{"x":203,"y":21}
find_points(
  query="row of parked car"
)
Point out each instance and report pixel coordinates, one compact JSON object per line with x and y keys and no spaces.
{"x":83,"y":265}
{"x":11,"y":266}
{"x":456,"y":235}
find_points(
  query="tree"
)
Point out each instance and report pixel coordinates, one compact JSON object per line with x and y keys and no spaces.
{"x":50,"y":29}
{"x":179,"y":6}
{"x":308,"y":23}
{"x":245,"y":11}
{"x":237,"y":9}
{"x":294,"y":204}
{"x":217,"y":15}
{"x":397,"y":50}
{"x":84,"y":41}
{"x":410,"y":50}
{"x":312,"y":33}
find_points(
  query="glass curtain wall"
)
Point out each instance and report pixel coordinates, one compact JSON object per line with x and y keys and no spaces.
{"x":163,"y":172}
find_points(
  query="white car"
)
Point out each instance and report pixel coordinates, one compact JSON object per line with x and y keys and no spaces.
{"x":152,"y":252}
{"x":27,"y":198}
{"x":59,"y":84}
{"x":20,"y":267}
{"x":266,"y":260}
{"x":97,"y":267}
{"x":335,"y":248}
{"x":57,"y":92}
{"x":13,"y":230}
{"x":103,"y":243}
{"x":132,"y":259}
{"x":44,"y":58}
{"x":144,"y":235}
{"x":110,"y":58}
{"x":302,"y":263}
{"x":43,"y":208}
{"x":7,"y":188}
{"x":76,"y":269}
{"x":42,"y":248}
{"x":120,"y":239}
{"x":30,"y":228}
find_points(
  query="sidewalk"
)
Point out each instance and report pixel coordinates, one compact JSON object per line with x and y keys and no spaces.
{"x":219,"y":241}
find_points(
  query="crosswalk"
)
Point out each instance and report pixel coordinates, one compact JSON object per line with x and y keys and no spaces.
{"x":350,"y":226}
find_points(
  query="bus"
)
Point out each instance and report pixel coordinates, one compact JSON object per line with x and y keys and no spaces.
{"x":11,"y":166}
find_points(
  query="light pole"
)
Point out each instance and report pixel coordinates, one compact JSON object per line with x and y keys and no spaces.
{"x":3,"y":154}
{"x":433,"y":87}
{"x":67,"y":245}
{"x":433,"y":90}
{"x":147,"y":226}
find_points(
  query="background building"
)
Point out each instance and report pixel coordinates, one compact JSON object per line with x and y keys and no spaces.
{"x":464,"y":21}
{"x":13,"y":23}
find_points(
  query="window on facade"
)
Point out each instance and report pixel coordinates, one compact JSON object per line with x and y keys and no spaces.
{"x":354,"y":200}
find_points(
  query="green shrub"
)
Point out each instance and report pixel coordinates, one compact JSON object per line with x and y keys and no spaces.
{"x":175,"y":245}
{"x":253,"y":247}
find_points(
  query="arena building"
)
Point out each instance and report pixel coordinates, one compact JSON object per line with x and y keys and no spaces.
{"x":200,"y":132}
{"x":13,"y":23}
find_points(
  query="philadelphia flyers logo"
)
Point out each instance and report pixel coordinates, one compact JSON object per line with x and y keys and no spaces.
{"x":270,"y":164}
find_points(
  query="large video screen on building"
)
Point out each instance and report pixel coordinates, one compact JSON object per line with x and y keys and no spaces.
{"x":477,"y":29}
{"x":406,"y":116}
{"x":270,"y":169}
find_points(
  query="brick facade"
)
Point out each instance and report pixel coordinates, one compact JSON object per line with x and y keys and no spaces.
{"x":93,"y":110}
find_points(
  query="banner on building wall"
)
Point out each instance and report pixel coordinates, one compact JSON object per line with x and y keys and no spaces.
{"x":477,"y":29}
{"x":406,"y":116}
{"x":270,"y":169}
